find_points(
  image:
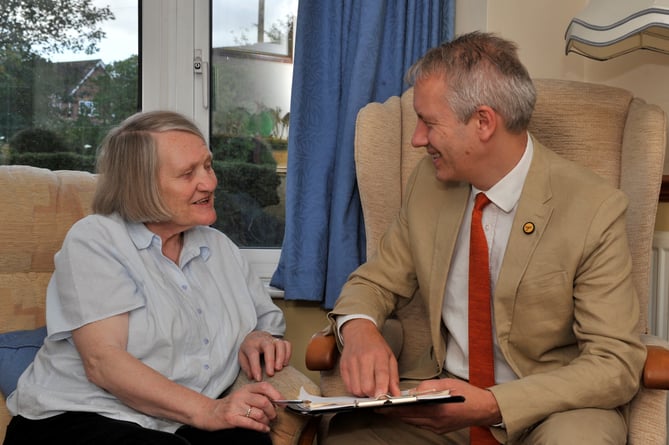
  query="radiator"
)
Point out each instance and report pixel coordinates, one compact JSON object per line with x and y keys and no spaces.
{"x":658,"y":302}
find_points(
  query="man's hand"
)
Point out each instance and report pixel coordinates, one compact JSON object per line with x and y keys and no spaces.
{"x":368,"y":366}
{"x":480,"y":408}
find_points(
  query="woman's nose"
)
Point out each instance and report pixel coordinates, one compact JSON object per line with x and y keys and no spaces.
{"x":208,"y":181}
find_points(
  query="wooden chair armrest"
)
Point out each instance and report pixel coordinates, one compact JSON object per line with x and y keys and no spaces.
{"x":322,"y":352}
{"x":656,"y":368}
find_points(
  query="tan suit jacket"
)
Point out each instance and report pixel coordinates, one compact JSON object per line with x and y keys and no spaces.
{"x":564,"y":305}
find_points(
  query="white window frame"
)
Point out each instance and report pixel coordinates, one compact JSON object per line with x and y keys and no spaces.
{"x":174,"y":33}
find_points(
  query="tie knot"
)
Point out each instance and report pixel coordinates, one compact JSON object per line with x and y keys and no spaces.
{"x":481,"y":201}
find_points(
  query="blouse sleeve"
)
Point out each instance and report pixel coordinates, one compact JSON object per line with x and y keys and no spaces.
{"x":94,"y":278}
{"x":269,"y":316}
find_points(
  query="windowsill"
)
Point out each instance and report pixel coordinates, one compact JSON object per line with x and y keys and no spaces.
{"x":264,"y":262}
{"x":273,"y":291}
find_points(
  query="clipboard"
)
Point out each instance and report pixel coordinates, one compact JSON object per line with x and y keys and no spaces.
{"x":314,"y":405}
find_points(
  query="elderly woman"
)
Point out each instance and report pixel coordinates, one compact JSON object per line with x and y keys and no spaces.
{"x":150,"y":312}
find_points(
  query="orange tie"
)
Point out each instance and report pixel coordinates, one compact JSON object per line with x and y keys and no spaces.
{"x":481,"y":365}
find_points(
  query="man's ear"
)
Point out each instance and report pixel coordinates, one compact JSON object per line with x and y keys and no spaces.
{"x":487,"y":121}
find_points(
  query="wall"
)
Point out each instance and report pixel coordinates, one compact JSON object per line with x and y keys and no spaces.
{"x":303,"y":319}
{"x":538,"y":27}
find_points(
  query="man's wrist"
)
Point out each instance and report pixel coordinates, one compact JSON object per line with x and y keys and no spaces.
{"x":498,"y":415}
{"x":343,"y":319}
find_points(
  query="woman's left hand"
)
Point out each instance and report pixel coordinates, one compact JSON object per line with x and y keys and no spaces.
{"x":259,"y":345}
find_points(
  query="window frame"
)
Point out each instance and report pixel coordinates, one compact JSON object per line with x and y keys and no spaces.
{"x":173,"y":34}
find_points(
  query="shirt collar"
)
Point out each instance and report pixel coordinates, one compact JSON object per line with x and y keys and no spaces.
{"x":506,"y":193}
{"x":140,"y":235}
{"x":194,"y":242}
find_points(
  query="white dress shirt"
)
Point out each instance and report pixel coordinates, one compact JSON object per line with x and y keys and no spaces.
{"x":497,"y":220}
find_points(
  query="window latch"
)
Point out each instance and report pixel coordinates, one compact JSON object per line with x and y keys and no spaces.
{"x":201,"y":68}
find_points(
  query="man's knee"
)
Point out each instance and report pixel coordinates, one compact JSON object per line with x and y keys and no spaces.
{"x":588,"y":426}
{"x":376,"y":429}
{"x":348,"y":429}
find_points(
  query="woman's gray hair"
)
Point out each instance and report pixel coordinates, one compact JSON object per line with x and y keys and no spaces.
{"x":481,"y":69}
{"x":127,"y":165}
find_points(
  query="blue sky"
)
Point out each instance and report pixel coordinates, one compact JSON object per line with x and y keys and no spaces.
{"x":121,"y":41}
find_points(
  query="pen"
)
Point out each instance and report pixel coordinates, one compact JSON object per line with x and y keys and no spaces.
{"x":290,"y":401}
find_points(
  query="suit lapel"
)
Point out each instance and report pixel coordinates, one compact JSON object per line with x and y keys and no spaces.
{"x":529,"y":224}
{"x":448,"y":227}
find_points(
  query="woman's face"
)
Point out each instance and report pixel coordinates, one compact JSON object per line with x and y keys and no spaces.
{"x":186,"y":179}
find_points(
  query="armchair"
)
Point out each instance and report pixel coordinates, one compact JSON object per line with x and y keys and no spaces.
{"x":620,"y":137}
{"x":38,"y":208}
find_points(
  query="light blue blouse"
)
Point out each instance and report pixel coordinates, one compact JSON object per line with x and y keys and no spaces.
{"x":186,"y":321}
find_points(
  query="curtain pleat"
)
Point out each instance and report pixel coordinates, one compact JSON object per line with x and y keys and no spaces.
{"x":347,"y":53}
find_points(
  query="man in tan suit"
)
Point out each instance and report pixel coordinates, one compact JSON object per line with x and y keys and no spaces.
{"x":564,"y":310}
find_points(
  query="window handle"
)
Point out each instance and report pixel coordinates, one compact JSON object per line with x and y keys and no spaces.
{"x":201,"y":68}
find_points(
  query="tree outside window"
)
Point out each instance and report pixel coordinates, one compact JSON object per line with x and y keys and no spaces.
{"x":52,"y":113}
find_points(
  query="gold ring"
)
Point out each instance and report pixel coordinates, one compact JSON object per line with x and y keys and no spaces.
{"x":248,"y":412}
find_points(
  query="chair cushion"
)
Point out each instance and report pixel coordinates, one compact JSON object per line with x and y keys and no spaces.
{"x":17,"y":351}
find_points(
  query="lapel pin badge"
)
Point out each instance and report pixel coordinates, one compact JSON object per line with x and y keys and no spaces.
{"x":528,"y":228}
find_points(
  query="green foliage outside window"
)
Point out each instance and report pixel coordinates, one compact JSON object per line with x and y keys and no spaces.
{"x":37,"y":140}
{"x":247,"y":184}
{"x":56,"y":161}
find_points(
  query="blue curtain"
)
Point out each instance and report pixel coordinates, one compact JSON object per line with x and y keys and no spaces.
{"x":347,"y":53}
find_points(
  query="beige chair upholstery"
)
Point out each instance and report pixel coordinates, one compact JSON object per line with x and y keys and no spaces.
{"x":618,"y":136}
{"x":38,"y":208}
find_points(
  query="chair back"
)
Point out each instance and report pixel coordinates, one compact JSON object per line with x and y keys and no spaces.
{"x":620,"y":137}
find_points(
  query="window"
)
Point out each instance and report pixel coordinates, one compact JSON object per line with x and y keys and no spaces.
{"x":87,"y":108}
{"x":227,"y":64}
{"x":58,"y":96}
{"x":251,"y":76}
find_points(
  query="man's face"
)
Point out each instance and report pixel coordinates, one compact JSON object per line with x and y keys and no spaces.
{"x":450,"y":142}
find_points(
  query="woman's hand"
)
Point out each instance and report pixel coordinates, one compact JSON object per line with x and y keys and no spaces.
{"x":102,"y":344}
{"x":258,"y":346}
{"x":249,"y":407}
